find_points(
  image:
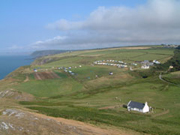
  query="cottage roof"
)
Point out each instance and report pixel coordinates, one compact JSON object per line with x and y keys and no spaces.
{"x":145,"y":62}
{"x":134,"y":104}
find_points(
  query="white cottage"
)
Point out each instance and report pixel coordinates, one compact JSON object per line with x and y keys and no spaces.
{"x":136,"y":106}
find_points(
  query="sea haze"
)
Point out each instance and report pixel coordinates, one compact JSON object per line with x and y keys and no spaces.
{"x":10,"y":63}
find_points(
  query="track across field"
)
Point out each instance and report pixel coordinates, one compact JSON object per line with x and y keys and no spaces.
{"x":45,"y":75}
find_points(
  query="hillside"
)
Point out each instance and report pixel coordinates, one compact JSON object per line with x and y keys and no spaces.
{"x":174,"y":62}
{"x":37,"y":54}
{"x":93,"y":86}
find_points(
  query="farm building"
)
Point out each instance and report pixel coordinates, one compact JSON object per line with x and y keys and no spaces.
{"x":136,"y":106}
{"x":156,"y":62}
{"x":145,"y":62}
{"x":145,"y":67}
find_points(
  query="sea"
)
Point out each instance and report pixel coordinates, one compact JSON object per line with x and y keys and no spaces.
{"x":10,"y":63}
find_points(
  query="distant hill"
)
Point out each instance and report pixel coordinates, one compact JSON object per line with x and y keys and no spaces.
{"x":37,"y":54}
{"x":41,"y":53}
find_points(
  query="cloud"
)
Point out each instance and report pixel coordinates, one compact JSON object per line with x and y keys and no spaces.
{"x":47,"y":43}
{"x":157,"y":21}
{"x":65,"y":25}
{"x":15,"y":47}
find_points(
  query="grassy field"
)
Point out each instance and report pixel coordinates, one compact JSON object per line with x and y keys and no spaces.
{"x":94,"y":96}
{"x":173,"y":77}
{"x":87,"y":57}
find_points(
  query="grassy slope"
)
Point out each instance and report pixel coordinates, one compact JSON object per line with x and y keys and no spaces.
{"x":79,"y":97}
{"x":173,"y":77}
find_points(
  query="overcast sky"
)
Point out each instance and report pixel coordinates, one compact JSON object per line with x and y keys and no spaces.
{"x":31,"y":25}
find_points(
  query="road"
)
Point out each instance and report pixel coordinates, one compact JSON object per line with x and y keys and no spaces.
{"x":160,"y":77}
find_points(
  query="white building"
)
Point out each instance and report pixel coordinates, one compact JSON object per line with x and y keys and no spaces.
{"x":170,"y":67}
{"x":156,"y":62}
{"x":136,"y":106}
{"x":145,"y":67}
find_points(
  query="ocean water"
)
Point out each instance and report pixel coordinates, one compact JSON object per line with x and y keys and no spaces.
{"x":10,"y":63}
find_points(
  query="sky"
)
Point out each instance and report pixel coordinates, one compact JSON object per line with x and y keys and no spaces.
{"x":29,"y":25}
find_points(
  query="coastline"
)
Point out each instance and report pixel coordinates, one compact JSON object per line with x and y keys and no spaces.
{"x":12,"y":63}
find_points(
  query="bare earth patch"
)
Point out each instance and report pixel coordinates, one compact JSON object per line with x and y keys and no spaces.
{"x":160,"y":114}
{"x":45,"y":75}
{"x":27,"y":79}
{"x":110,"y":107}
{"x":136,"y":48}
{"x":19,"y":96}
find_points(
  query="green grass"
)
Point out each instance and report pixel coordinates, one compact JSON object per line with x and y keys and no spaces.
{"x":87,"y":57}
{"x":134,"y":121}
{"x":48,"y":88}
{"x":173,"y":77}
{"x":85,"y":107}
{"x":79,"y":97}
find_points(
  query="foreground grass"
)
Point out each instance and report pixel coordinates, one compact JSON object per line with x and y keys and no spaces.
{"x":84,"y":106}
{"x":134,"y":121}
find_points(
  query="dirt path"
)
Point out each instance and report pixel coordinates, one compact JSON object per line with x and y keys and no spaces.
{"x":160,"y":77}
{"x":160,"y":114}
{"x":110,"y":107}
{"x":136,"y":48}
{"x":27,"y":79}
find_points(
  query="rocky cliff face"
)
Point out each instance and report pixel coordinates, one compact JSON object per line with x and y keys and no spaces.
{"x":42,"y":61}
{"x":16,"y":95}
